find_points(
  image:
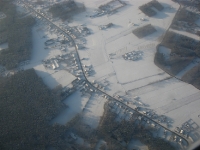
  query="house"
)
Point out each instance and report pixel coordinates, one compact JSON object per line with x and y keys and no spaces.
{"x":56,"y":64}
{"x":53,"y":66}
{"x":78,"y":46}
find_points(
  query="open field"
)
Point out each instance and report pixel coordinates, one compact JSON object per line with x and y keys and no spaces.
{"x":176,"y":99}
{"x":93,"y":111}
{"x":76,"y":103}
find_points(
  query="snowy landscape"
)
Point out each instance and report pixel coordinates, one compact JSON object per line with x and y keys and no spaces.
{"x":96,"y":59}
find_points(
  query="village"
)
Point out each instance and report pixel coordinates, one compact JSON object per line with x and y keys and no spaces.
{"x":101,"y":61}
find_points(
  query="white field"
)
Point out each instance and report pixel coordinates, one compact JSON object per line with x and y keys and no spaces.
{"x":174,"y":98}
{"x":171,"y":97}
{"x":75,"y":103}
{"x":93,"y":111}
{"x":61,"y":77}
{"x":119,"y":39}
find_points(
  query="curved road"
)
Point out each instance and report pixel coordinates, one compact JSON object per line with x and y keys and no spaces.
{"x":110,"y":97}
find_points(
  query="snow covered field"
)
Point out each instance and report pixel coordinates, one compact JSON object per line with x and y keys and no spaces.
{"x":167,"y":96}
{"x":75,"y":103}
{"x":94,"y":111}
{"x":119,"y":40}
{"x":61,"y":77}
{"x":142,"y":78}
{"x":173,"y":98}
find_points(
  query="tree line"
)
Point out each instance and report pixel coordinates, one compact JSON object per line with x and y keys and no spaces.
{"x":127,"y":130}
{"x":65,"y":10}
{"x":15,"y":31}
{"x":26,"y":107}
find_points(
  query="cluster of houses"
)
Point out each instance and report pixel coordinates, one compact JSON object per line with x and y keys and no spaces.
{"x":125,"y":113}
{"x":103,"y":27}
{"x":87,"y":89}
{"x":188,"y":130}
{"x":108,"y":8}
{"x":112,"y":6}
{"x":73,"y":32}
{"x":77,"y":31}
{"x":51,"y":63}
{"x":98,"y":85}
{"x":83,"y":30}
{"x":134,"y":55}
{"x":88,"y":70}
{"x":73,"y":64}
{"x":149,"y":8}
{"x":59,"y":43}
{"x":69,"y":58}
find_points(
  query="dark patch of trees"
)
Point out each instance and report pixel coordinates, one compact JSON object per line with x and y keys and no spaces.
{"x":156,"y":4}
{"x":160,"y":59}
{"x":26,"y":107}
{"x":193,"y":76}
{"x":147,"y":8}
{"x":144,"y":31}
{"x":183,"y":50}
{"x":186,"y":16}
{"x":92,"y":136}
{"x":180,"y":44}
{"x":17,"y":32}
{"x":65,"y":9}
{"x":127,"y":130}
{"x":178,"y":63}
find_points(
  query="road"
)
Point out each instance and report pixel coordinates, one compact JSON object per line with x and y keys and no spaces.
{"x":103,"y":92}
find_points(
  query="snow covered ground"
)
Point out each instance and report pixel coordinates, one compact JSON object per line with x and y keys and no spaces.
{"x":171,"y":97}
{"x":61,"y":77}
{"x":75,"y":104}
{"x":165,"y":95}
{"x":94,"y":111}
{"x":119,"y":39}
